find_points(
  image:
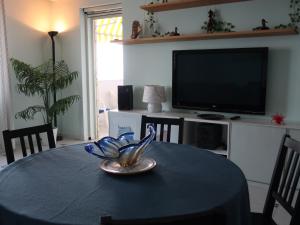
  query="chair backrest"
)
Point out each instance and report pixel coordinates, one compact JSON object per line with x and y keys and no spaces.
{"x":205,"y":219}
{"x":164,"y":123}
{"x":285,"y":180}
{"x":8,"y":135}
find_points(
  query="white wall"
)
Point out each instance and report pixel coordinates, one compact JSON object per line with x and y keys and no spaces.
{"x":27,"y":23}
{"x":152,"y":63}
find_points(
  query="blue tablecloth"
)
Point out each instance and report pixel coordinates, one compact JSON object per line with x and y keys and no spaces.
{"x":65,"y":186}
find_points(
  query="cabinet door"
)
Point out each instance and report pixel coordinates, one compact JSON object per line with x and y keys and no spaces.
{"x":123,"y":121}
{"x":254,"y":149}
{"x":257,"y":193}
{"x":295,"y":134}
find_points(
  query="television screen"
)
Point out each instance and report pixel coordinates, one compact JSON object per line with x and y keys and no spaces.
{"x":223,"y":80}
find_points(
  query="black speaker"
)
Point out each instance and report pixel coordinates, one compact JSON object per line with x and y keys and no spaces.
{"x":125,"y":97}
{"x":209,"y":135}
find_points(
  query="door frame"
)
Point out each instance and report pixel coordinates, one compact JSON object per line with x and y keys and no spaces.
{"x":87,"y":17}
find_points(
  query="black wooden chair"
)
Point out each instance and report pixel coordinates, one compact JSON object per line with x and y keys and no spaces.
{"x":283,"y":185}
{"x":205,"y":219}
{"x":168,"y":122}
{"x":8,"y":135}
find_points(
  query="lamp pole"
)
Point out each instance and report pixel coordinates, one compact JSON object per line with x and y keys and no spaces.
{"x":52,"y":34}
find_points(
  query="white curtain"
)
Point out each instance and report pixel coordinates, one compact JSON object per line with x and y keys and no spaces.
{"x":5,"y":94}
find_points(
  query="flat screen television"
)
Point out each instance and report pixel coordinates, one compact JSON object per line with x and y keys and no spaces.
{"x":220,"y":80}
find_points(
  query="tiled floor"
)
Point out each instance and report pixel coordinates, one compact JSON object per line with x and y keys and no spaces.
{"x":18,"y":153}
{"x":2,"y":160}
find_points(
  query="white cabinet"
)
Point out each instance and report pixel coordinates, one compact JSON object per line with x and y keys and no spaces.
{"x":254,"y":149}
{"x":124,"y":121}
{"x":295,"y":133}
{"x":120,"y":121}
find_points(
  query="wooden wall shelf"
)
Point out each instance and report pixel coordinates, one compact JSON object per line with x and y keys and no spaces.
{"x":205,"y":36}
{"x":182,"y":4}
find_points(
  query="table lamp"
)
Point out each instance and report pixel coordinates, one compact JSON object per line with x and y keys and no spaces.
{"x":154,"y":95}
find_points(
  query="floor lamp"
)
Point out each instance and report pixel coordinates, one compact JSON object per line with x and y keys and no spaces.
{"x":52,"y":34}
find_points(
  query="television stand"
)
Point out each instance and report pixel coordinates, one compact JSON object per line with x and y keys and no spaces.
{"x":211,"y":116}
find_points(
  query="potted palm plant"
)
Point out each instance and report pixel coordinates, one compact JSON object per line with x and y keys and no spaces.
{"x":42,"y":81}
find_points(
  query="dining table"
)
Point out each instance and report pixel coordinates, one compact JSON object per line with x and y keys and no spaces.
{"x":65,"y":186}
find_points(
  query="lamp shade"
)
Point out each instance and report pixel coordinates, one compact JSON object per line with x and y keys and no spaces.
{"x":154,"y":94}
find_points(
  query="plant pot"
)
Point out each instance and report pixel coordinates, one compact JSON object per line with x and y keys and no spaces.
{"x":45,"y":138}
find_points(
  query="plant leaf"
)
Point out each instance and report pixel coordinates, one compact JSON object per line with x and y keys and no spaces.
{"x":29,"y":113}
{"x":31,"y":81}
{"x":42,"y":81}
{"x":63,"y":76}
{"x":62,"y":105}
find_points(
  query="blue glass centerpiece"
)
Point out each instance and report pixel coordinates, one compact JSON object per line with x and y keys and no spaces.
{"x":123,"y":150}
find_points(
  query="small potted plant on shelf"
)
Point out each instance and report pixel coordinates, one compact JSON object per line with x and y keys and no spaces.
{"x":42,"y":81}
{"x":216,"y":24}
{"x":294,"y":16}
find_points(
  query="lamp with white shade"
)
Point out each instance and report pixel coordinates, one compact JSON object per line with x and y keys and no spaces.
{"x":154,"y":95}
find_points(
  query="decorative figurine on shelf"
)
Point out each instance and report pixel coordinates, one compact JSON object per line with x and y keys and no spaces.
{"x":216,"y":24}
{"x":263,"y":25}
{"x":136,"y":29}
{"x":156,"y":34}
{"x":211,"y":22}
{"x":278,"y":119}
{"x":158,"y":1}
{"x":151,"y":28}
{"x":173,"y":33}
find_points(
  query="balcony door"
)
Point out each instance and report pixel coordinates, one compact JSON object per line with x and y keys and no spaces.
{"x":102,"y":61}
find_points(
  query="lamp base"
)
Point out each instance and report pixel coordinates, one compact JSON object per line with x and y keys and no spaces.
{"x":154,"y":107}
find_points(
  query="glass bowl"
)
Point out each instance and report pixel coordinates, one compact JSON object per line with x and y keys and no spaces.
{"x":124,"y":150}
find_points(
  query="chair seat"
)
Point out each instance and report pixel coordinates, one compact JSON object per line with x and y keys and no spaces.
{"x":259,"y":219}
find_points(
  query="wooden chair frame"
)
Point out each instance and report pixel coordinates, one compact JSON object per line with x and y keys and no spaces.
{"x":284,"y":181}
{"x":8,"y":135}
{"x":162,"y":122}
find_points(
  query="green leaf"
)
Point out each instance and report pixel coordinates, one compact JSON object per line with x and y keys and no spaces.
{"x":63,"y":77}
{"x":29,"y":113}
{"x":42,"y":81}
{"x":62,"y":105}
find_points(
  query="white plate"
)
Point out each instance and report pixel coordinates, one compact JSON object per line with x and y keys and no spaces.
{"x":144,"y":165}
